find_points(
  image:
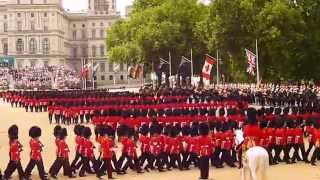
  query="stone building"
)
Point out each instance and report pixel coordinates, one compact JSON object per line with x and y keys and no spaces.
{"x":41,"y":33}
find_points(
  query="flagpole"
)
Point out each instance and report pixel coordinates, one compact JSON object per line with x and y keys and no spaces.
{"x":257,"y":54}
{"x":217,"y":66}
{"x":191,"y":65}
{"x":92,"y":73}
{"x":85,"y":79}
{"x":170,"y":68}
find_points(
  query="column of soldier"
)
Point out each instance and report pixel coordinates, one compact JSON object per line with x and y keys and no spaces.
{"x":161,"y":146}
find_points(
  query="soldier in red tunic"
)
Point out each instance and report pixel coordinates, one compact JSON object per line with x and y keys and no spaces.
{"x":56,"y":133}
{"x":144,"y":140}
{"x":298,"y":144}
{"x":280,"y":142}
{"x":226,"y":146}
{"x":205,"y":150}
{"x":62,"y":156}
{"x":88,"y":154}
{"x":175,"y":149}
{"x":15,"y":149}
{"x":106,"y":146}
{"x":193,"y":149}
{"x":316,"y":153}
{"x":35,"y":154}
{"x":79,"y":146}
{"x":156,"y":147}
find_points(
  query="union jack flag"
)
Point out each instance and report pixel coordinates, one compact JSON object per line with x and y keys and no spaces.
{"x":251,"y":62}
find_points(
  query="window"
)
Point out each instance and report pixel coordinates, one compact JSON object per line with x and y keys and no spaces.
{"x":121,"y":77}
{"x":19,"y":46}
{"x":101,"y":5}
{"x":32,"y":14}
{"x":102,"y":33}
{"x":74,"y":25}
{"x":113,"y":4}
{"x":32,"y":26}
{"x":110,"y":67}
{"x":5,"y":16}
{"x":5,"y":27}
{"x":33,"y":46}
{"x":45,"y":14}
{"x":32,"y":63}
{"x":93,"y":32}
{"x":18,"y":1}
{"x":101,"y":24}
{"x":19,"y":63}
{"x":83,"y":34}
{"x":103,"y":78}
{"x":44,"y":1}
{"x":121,"y":66}
{"x":46,"y":63}
{"x":110,"y":77}
{"x":94,"y":49}
{"x":102,"y":67}
{"x":74,"y":51}
{"x":102,"y":50}
{"x":5,"y":48}
{"x":19,"y":26}
{"x":83,"y":25}
{"x":45,"y":46}
{"x":74,"y":35}
{"x":45,"y":28}
{"x":93,"y":24}
{"x":84,"y":51}
{"x":19,"y":14}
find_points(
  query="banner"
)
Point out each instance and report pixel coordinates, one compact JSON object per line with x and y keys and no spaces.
{"x":207,"y":67}
{"x":251,"y":62}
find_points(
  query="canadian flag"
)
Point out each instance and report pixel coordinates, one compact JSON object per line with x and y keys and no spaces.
{"x":207,"y":67}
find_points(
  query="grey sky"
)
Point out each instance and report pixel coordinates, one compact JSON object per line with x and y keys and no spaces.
{"x":78,"y":5}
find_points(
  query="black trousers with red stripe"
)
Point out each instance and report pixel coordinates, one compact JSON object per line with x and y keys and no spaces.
{"x":11,"y":167}
{"x":204,"y":167}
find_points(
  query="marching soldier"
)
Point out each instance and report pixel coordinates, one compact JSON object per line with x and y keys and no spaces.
{"x":15,"y":149}
{"x":35,"y":154}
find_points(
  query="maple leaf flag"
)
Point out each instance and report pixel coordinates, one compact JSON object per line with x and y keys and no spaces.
{"x":207,"y":67}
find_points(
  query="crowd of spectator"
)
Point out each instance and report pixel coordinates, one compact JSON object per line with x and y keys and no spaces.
{"x":50,"y":77}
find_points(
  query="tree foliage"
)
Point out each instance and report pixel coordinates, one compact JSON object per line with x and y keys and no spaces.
{"x":288,"y":34}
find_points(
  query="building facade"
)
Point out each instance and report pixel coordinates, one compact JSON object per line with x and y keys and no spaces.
{"x":41,"y":33}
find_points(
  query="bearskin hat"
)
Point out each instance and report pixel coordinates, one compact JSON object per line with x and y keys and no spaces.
{"x":64,"y":133}
{"x":294,"y":110}
{"x":103,"y":130}
{"x":86,"y":132}
{"x":13,"y":132}
{"x":155,"y":128}
{"x":167,"y":130}
{"x":251,"y":116}
{"x":77,"y":130}
{"x":122,"y":130}
{"x":186,"y":130}
{"x":203,"y":129}
{"x":144,"y":129}
{"x":286,"y":110}
{"x":221,"y":112}
{"x":110,"y":131}
{"x":97,"y":130}
{"x":57,"y":130}
{"x":277,"y":111}
{"x":271,"y":109}
{"x":35,"y":132}
{"x":259,"y":112}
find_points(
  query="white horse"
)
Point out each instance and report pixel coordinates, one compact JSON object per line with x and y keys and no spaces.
{"x":255,"y":162}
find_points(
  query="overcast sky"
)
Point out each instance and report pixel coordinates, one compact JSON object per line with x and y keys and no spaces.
{"x":77,"y":5}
